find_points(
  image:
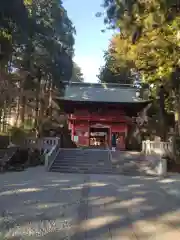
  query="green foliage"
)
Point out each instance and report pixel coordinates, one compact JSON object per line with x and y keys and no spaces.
{"x":18,"y":135}
{"x":28,"y":124}
{"x":148,"y":39}
{"x":77,"y":75}
{"x":37,"y":41}
{"x":41,"y":38}
{"x":13,"y":12}
{"x":14,"y":20}
{"x":50,"y":43}
{"x":112,"y":72}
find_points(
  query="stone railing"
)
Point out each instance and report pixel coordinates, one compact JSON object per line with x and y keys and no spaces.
{"x":155,"y":153}
{"x":51,"y":155}
{"x":49,"y":147}
{"x":157,"y":147}
{"x":46,"y":143}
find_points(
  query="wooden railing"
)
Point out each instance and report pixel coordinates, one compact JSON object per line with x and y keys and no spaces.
{"x":157,"y":147}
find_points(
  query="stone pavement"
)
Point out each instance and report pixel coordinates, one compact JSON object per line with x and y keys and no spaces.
{"x":122,"y":207}
{"x":36,"y":204}
{"x":42,"y":205}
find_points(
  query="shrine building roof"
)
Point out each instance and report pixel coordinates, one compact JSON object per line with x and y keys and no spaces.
{"x":101,"y":92}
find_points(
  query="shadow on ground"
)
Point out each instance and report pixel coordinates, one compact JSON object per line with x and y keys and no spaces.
{"x":40,"y":205}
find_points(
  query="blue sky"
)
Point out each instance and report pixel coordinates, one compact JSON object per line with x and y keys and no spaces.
{"x":90,"y":42}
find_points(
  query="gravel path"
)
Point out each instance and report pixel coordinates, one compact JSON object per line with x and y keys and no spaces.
{"x":35,"y":204}
{"x":39,"y":205}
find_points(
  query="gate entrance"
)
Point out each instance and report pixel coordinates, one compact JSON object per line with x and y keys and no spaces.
{"x":99,"y":136}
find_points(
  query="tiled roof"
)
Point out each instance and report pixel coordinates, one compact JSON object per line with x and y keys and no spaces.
{"x":113,"y":93}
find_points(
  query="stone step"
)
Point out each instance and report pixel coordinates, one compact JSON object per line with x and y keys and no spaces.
{"x":99,"y":163}
{"x":58,"y":164}
{"x":94,"y":171}
{"x":72,"y":156}
{"x":81,"y":162}
{"x":85,"y":154}
{"x":99,"y":171}
{"x":86,"y":172}
{"x":90,"y":171}
{"x":84,"y":169}
{"x":81,"y":159}
{"x":78,"y":162}
{"x":84,"y":166}
{"x":81,"y":168}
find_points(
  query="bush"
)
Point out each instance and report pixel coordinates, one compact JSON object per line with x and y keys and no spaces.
{"x":4,"y":142}
{"x":34,"y":157}
{"x":18,"y":135}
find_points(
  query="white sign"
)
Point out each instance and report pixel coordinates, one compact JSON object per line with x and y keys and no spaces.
{"x":76,"y":138}
{"x":98,"y":133}
{"x":98,"y":125}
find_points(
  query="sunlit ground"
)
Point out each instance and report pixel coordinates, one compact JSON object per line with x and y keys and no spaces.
{"x":41,"y":205}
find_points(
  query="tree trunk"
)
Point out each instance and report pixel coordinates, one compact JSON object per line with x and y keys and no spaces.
{"x":1,"y":116}
{"x":4,"y":120}
{"x":162,"y":117}
{"x":49,"y":104}
{"x":17,"y":112}
{"x":22,"y":108}
{"x":37,"y":103}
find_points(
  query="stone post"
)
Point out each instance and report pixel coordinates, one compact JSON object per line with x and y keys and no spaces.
{"x":162,"y":167}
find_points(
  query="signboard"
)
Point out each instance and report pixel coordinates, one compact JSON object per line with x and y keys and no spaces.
{"x":76,"y":138}
{"x":98,"y":133}
{"x":98,"y":125}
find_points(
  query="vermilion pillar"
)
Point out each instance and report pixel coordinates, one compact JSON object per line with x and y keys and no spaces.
{"x":72,"y":130}
{"x":110,"y":136}
{"x":88,"y":133}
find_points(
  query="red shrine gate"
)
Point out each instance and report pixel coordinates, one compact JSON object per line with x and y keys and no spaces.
{"x":98,"y":111}
{"x":86,"y":126}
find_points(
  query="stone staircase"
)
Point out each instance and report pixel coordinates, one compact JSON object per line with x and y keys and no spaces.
{"x":82,"y":161}
{"x":97,"y":161}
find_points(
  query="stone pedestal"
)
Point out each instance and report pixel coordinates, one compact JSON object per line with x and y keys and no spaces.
{"x":162,"y":167}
